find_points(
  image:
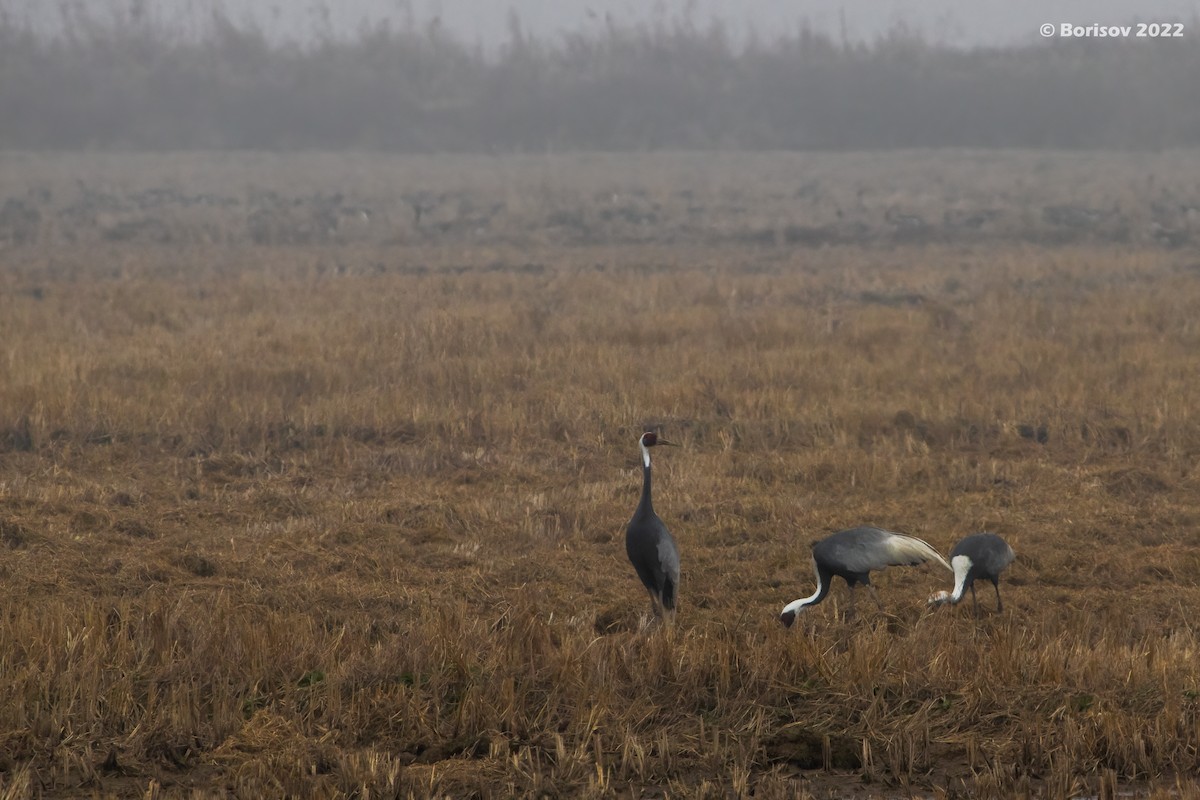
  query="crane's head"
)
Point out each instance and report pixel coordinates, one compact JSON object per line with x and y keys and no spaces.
{"x":791,"y":612}
{"x":651,"y":439}
{"x":937,"y":598}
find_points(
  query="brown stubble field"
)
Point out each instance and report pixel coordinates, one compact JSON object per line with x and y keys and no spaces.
{"x":303,"y":495}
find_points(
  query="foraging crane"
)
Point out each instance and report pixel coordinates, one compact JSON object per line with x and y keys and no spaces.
{"x":649,"y":544}
{"x":852,"y":554}
{"x":980,"y":555}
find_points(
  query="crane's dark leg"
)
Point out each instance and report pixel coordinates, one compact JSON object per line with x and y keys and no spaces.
{"x":875,"y":595}
{"x":975,"y":601}
{"x":999,"y":602}
{"x":865,"y":580}
{"x":666,"y":615}
{"x":659,"y":616}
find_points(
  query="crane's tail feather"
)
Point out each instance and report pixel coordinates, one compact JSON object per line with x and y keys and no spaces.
{"x":668,"y":594}
{"x":909,"y":551}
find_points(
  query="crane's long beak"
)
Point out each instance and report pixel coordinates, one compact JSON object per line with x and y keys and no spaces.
{"x":938,"y":598}
{"x":662,"y":441}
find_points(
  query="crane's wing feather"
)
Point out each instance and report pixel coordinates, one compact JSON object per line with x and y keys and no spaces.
{"x":668,"y":555}
{"x":866,"y":549}
{"x":911,"y":550}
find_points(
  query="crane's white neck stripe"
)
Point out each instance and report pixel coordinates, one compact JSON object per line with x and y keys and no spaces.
{"x":645,"y":454}
{"x":962,"y":565}
{"x":796,"y":605}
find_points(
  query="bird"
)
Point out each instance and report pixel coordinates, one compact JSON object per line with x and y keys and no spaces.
{"x":852,"y":554}
{"x":649,"y":544}
{"x":980,"y":555}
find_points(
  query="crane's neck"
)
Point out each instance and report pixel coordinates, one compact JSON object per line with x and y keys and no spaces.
{"x":812,"y":599}
{"x":645,"y":507}
{"x":962,"y":565}
{"x":791,"y":609}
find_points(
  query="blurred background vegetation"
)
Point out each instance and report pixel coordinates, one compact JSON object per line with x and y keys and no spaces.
{"x":122,"y":79}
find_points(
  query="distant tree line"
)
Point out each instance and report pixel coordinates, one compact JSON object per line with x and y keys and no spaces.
{"x":415,"y":88}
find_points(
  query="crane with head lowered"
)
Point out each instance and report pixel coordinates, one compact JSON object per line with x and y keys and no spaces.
{"x":852,"y":554}
{"x":980,"y":555}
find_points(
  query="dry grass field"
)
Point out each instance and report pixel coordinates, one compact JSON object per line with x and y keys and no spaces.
{"x":314,"y":472}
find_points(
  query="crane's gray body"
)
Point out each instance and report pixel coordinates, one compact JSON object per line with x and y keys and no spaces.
{"x":654,"y":556}
{"x":651,"y":548}
{"x":853,"y":553}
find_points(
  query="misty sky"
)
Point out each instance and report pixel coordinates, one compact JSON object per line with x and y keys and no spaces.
{"x":968,"y":22}
{"x":957,"y":22}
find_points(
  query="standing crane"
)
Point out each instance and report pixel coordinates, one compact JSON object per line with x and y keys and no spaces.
{"x":980,"y":555}
{"x":852,"y":554}
{"x":649,"y":544}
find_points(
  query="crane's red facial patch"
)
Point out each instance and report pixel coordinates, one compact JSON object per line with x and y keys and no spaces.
{"x":649,"y":439}
{"x":787,"y":618}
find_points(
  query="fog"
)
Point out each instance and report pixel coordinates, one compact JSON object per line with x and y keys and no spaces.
{"x":951,"y":22}
{"x":489,"y":22}
{"x":538,"y":75}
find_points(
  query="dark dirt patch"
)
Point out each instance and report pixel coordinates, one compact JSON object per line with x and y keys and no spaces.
{"x":807,"y":749}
